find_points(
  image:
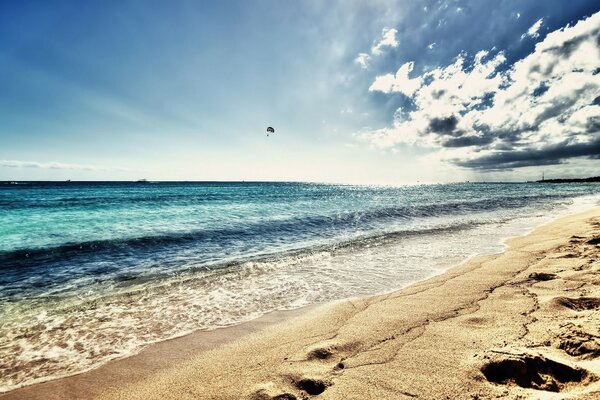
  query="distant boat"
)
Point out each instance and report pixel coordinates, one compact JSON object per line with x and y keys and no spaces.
{"x":142,"y":181}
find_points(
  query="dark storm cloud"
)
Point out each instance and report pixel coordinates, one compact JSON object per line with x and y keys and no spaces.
{"x":467,"y":141}
{"x":529,"y":157}
{"x":593,"y":125}
{"x":444,"y":126}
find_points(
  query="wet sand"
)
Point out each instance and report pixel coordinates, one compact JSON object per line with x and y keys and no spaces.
{"x":521,"y":324}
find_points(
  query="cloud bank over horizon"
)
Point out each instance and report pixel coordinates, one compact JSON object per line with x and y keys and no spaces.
{"x":57,"y":165}
{"x":481,"y":114}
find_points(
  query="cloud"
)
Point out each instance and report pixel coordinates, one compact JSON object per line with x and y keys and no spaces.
{"x":533,"y":31}
{"x":56,"y":165}
{"x":388,"y":40}
{"x":363,"y":60}
{"x":554,"y":154}
{"x":400,"y":82}
{"x":479,"y":113}
{"x":444,"y":126}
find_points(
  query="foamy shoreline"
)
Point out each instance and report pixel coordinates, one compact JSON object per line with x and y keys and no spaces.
{"x":406,"y":274}
{"x":72,"y":336}
{"x":356,"y":348}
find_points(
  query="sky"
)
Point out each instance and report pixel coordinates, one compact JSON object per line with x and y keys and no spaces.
{"x":374,"y":92}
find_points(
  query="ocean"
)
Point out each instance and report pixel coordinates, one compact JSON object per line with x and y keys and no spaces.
{"x":95,"y":271}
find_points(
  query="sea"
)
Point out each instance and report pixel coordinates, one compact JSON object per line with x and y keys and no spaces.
{"x":93,"y":271}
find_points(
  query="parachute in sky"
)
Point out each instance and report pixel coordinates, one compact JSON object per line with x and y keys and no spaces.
{"x":270,"y":130}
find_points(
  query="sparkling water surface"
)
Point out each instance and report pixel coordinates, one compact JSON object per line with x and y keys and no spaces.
{"x":94,"y":271}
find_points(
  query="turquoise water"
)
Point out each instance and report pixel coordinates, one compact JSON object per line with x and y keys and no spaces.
{"x":95,"y":271}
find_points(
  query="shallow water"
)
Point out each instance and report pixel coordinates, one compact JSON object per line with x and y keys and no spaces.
{"x":95,"y":271}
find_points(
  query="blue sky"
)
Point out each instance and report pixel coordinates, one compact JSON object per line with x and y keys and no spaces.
{"x":184,"y":90}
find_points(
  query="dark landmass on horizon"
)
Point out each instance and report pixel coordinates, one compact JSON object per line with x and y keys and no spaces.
{"x":591,"y":179}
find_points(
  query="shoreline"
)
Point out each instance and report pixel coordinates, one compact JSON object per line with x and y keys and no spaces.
{"x":314,"y":360}
{"x":151,"y":359}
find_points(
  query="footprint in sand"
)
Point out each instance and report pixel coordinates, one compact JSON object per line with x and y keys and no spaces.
{"x":263,"y":395}
{"x":334,"y":352}
{"x":307,"y":386}
{"x":324,"y":352}
{"x":578,"y":343}
{"x":578,"y":304}
{"x":594,"y":241}
{"x":576,"y":239}
{"x":311,"y":386}
{"x":319,"y":354}
{"x":535,"y":372}
{"x":542,"y":276}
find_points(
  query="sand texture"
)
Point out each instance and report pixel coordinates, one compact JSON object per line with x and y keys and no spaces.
{"x":521,"y":324}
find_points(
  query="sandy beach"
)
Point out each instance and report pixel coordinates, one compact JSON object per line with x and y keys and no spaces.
{"x":521,"y":324}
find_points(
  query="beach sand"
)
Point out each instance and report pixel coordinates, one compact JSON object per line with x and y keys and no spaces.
{"x":521,"y":324}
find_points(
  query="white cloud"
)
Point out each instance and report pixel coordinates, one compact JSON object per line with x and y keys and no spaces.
{"x":55,"y":165}
{"x":363,"y":60}
{"x":388,"y":40}
{"x":400,"y":82}
{"x":539,"y":110}
{"x":533,"y":32}
{"x":431,"y":46}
